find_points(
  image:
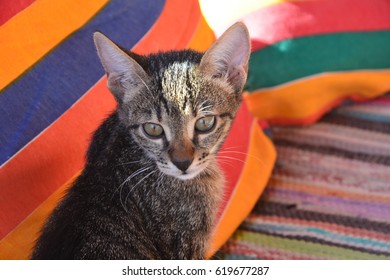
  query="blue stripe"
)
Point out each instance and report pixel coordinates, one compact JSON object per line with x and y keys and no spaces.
{"x":56,"y":82}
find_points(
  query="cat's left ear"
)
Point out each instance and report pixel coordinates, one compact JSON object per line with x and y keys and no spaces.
{"x":228,"y":57}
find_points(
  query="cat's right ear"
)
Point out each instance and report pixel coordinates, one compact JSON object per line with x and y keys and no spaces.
{"x":125,"y":76}
{"x":228,"y":57}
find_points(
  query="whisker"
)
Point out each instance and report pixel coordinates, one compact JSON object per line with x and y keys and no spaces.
{"x":130,"y":162}
{"x":205,"y":113}
{"x":140,"y":181}
{"x":120,"y":187}
{"x":205,"y":108}
{"x":231,"y":158}
{"x":225,"y":162}
{"x":231,"y":147}
{"x":246,"y":154}
{"x":158,"y":182}
{"x":203,"y":103}
{"x":143,"y":82}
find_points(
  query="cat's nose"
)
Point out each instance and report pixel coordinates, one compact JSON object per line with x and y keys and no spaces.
{"x":181,"y":154}
{"x":182,"y":164}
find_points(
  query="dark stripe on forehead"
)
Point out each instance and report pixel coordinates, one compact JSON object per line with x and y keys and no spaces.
{"x":164,"y":104}
{"x":190,"y":91}
{"x":186,"y":97}
{"x":158,"y":112}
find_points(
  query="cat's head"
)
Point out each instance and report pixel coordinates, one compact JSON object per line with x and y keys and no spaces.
{"x":179,"y":106}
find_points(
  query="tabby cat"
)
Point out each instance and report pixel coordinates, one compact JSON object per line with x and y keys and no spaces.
{"x":151,"y":185}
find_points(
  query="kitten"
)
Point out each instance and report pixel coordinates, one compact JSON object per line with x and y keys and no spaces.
{"x":151,"y":185}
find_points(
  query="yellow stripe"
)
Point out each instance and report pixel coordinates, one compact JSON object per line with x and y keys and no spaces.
{"x":254,"y":177}
{"x":220,"y":13}
{"x":307,"y":97}
{"x":36,"y":30}
{"x":203,"y":37}
{"x":17,"y":245}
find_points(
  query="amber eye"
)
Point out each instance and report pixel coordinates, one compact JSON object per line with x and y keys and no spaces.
{"x":205,"y":124}
{"x":153,"y":130}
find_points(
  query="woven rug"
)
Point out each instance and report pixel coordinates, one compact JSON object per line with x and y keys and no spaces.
{"x":329,"y":195}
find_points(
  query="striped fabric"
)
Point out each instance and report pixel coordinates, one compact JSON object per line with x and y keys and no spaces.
{"x":53,"y":95}
{"x":51,"y":101}
{"x":310,"y":55}
{"x":329,"y":194}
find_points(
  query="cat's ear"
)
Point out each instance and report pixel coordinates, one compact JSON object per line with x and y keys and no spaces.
{"x":228,"y":57}
{"x":125,"y":75}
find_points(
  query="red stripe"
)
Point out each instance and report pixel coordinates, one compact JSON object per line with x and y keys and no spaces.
{"x":51,"y":159}
{"x":57,"y":154}
{"x":11,"y":8}
{"x":174,"y":29}
{"x":236,"y":148}
{"x":290,"y":20}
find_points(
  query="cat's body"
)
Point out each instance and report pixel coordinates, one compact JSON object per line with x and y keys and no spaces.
{"x":151,"y":185}
{"x":102,"y":219}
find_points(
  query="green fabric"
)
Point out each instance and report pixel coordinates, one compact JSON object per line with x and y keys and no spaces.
{"x":304,"y":247}
{"x":301,"y":57}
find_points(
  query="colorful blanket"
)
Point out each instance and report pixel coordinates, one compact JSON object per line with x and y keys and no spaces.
{"x":308,"y":57}
{"x":329,"y":194}
{"x":54,"y":95}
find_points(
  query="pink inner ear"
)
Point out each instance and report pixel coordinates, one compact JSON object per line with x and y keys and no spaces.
{"x":237,"y":77}
{"x":241,"y":54}
{"x":234,"y":75}
{"x":231,"y":51}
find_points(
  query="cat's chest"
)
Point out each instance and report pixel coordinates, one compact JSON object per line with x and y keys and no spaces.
{"x":179,"y":204}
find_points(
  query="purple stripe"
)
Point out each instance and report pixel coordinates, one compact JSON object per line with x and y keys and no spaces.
{"x":378,"y":211}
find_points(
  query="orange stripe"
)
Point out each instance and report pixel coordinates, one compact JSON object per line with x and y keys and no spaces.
{"x":19,"y":243}
{"x":66,"y":140}
{"x":304,"y":101}
{"x":254,"y":177}
{"x":203,"y":38}
{"x":32,"y":33}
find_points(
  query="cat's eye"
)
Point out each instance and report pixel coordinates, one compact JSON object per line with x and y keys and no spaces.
{"x":153,"y":130}
{"x":205,"y":124}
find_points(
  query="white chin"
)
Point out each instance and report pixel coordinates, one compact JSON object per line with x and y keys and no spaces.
{"x":187,"y":176}
{"x":181,"y":176}
{"x":174,"y":172}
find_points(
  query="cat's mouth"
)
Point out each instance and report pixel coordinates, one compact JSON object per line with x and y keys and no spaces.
{"x":188,"y":174}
